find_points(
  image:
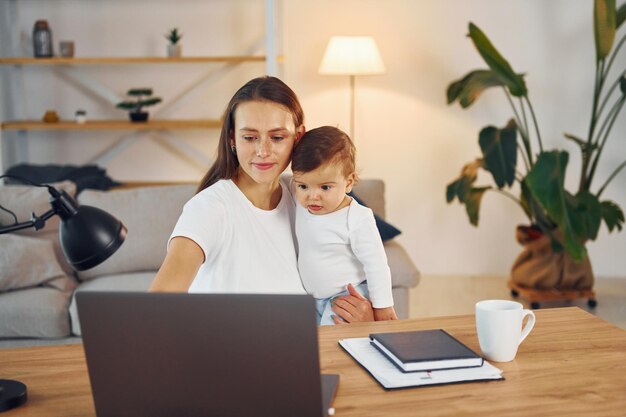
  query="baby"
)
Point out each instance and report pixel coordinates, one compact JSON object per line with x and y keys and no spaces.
{"x":338,"y":241}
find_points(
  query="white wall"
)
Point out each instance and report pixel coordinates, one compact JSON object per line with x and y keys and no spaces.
{"x":405,"y":132}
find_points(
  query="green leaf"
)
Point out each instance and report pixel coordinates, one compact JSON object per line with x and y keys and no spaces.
{"x":497,"y":63}
{"x":139,"y":92}
{"x":469,"y":88}
{"x":499,"y":148}
{"x":472,"y":203}
{"x":149,"y":101}
{"x":612,"y":215}
{"x":604,"y":24}
{"x":459,"y":187}
{"x":590,"y":212}
{"x":546,"y":182}
{"x":620,"y":16}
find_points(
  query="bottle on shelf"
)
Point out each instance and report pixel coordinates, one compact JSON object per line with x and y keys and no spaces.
{"x":42,"y":39}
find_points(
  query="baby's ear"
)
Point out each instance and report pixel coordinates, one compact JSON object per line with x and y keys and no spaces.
{"x":350,"y":181}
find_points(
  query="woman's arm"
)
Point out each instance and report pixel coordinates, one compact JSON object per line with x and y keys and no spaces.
{"x":352,"y":308}
{"x":180,"y":266}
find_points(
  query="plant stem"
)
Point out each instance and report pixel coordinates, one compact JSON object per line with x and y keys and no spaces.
{"x":620,"y":105}
{"x":619,"y":168}
{"x":609,"y":116}
{"x":592,"y":126}
{"x":507,"y":194}
{"x":520,"y":126}
{"x":608,"y":95}
{"x":532,"y":113}
{"x":523,"y":157}
{"x":521,"y":103}
{"x":613,"y":55}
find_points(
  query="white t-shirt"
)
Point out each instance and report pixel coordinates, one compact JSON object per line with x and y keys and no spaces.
{"x":339,"y":248}
{"x":246,"y":249}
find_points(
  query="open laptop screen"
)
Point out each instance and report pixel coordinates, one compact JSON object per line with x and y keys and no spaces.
{"x":166,"y":354}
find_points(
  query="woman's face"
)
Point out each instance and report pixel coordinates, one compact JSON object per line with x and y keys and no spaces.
{"x":264,"y":137}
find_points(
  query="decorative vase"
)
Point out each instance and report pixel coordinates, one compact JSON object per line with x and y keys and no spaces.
{"x":540,"y":267}
{"x":140,"y":116}
{"x":174,"y":50}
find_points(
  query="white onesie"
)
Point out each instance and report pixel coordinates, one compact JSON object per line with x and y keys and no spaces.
{"x":339,"y":248}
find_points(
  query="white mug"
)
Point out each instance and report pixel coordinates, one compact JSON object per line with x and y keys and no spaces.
{"x":499,"y":328}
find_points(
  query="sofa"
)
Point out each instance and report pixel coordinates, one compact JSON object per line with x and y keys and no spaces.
{"x":38,"y":287}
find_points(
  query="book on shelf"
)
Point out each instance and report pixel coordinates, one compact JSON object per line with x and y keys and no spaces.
{"x":389,"y":376}
{"x":425,"y":350}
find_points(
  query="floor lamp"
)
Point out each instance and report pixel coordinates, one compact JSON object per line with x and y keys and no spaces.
{"x":352,"y":56}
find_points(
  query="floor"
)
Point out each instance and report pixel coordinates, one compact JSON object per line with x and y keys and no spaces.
{"x":445,"y":295}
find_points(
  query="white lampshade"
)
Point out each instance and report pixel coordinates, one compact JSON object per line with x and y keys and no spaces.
{"x":352,"y":55}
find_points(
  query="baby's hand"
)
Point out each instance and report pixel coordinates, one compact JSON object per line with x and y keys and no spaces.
{"x":387,"y":313}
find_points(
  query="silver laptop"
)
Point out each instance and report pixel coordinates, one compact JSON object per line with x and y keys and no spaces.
{"x":176,"y":354}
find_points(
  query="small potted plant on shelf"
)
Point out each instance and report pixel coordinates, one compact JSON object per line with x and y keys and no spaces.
{"x":141,"y":99}
{"x":174,"y":48}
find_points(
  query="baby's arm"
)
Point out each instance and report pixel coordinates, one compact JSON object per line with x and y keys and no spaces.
{"x":387,"y":313}
{"x":368,"y":248}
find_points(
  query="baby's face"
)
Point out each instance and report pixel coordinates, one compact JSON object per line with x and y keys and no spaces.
{"x":324,"y":189}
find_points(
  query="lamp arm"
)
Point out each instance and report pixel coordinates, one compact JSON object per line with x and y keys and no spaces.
{"x":36,"y":222}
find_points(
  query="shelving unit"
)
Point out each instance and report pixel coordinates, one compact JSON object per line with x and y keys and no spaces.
{"x":131,"y":60}
{"x":15,"y":130}
{"x":165,"y":124}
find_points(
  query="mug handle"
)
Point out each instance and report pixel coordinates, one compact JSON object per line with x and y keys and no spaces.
{"x":529,"y":324}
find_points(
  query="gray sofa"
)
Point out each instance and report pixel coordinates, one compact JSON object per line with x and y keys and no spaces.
{"x":37,"y":286}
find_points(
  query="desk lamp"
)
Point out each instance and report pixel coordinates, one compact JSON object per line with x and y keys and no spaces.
{"x":352,"y":55}
{"x":88,"y":236}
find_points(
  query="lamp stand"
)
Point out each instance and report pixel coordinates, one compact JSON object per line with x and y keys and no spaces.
{"x":12,"y":394}
{"x":352,"y":107}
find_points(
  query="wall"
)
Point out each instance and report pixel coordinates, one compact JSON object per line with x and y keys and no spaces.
{"x":405,"y":132}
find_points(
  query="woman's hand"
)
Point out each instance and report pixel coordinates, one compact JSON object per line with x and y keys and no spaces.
{"x":352,"y":308}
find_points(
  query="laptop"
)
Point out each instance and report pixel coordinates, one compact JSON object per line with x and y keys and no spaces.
{"x":178,"y":354}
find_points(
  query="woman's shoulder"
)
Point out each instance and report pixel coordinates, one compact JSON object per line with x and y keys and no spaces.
{"x":218,"y":195}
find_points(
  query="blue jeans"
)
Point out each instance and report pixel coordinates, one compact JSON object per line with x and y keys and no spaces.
{"x":324,"y":305}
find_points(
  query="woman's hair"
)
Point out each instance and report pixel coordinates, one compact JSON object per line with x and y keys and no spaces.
{"x":323,"y":145}
{"x":264,"y":88}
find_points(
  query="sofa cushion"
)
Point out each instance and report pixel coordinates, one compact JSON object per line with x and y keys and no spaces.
{"x":403,"y":270}
{"x":39,"y":312}
{"x":138,"y":281}
{"x":24,"y":200}
{"x":26,"y":262}
{"x":386,"y":230}
{"x":149,"y":214}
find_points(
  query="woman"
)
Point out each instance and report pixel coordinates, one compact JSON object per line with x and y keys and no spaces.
{"x":236,"y":234}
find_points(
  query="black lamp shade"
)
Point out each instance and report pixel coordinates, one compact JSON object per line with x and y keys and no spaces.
{"x":90,"y":236}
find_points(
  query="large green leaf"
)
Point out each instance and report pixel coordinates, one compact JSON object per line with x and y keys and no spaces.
{"x":590,"y":212}
{"x":499,"y":148}
{"x":604,"y":24}
{"x":472,"y":203}
{"x":620,"y":16}
{"x":460,"y":187}
{"x":469,"y":88}
{"x":612,"y":215}
{"x":496,"y":62}
{"x":546,"y":182}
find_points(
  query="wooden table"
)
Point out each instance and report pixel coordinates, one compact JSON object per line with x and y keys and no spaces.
{"x":573,"y":363}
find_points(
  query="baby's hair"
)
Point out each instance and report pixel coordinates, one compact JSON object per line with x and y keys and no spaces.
{"x":326,"y":144}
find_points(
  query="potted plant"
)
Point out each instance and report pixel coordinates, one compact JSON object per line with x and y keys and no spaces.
{"x":141,"y":99}
{"x":561,"y":222}
{"x":174,"y":48}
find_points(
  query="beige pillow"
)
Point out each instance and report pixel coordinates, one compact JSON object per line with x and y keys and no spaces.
{"x":28,"y":262}
{"x":149,"y":214}
{"x":24,"y":200}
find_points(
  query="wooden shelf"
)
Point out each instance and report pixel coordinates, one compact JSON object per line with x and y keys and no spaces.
{"x":130,"y":60}
{"x":113,"y":125}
